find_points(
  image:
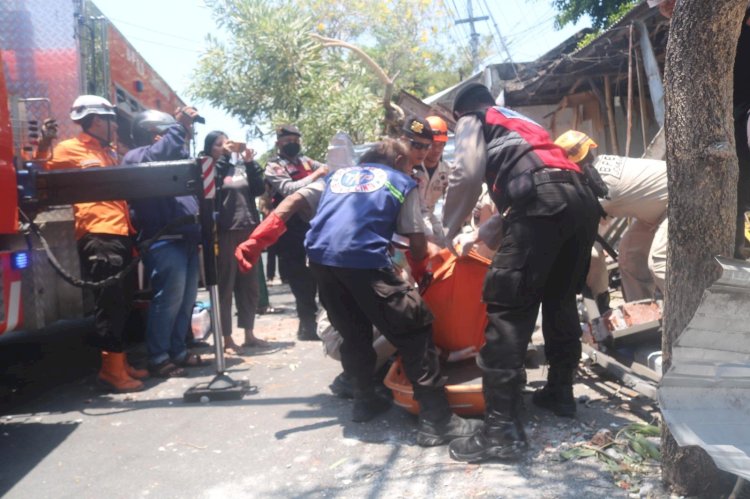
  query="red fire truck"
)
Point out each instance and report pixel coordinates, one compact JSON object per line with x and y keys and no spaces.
{"x":52,"y":51}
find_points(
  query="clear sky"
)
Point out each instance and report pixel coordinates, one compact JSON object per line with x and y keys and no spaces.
{"x":170,"y":35}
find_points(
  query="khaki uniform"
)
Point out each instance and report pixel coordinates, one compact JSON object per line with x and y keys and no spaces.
{"x":431,"y":189}
{"x":637,"y":190}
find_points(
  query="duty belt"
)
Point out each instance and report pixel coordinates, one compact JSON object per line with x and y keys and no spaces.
{"x":547,"y":176}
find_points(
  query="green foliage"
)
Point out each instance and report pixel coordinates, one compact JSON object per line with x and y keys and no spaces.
{"x":630,"y":456}
{"x":603,"y":13}
{"x":269,"y":70}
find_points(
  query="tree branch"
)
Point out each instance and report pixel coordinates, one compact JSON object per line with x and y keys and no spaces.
{"x":393,"y":112}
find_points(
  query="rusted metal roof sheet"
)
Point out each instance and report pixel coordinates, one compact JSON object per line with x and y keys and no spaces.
{"x":567,"y":68}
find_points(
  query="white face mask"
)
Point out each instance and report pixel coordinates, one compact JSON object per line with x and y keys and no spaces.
{"x":340,"y":152}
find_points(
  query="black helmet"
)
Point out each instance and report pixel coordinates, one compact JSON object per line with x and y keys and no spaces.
{"x":147,"y":124}
{"x":469,"y":96}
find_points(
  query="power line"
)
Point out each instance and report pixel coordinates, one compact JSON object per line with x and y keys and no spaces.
{"x":495,"y":41}
{"x":474,"y":37}
{"x":500,"y":36}
{"x":193,"y":51}
{"x":464,"y":29}
{"x":455,"y":29}
{"x":146,"y":28}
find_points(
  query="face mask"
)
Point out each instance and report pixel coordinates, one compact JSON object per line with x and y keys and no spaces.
{"x":291,"y":149}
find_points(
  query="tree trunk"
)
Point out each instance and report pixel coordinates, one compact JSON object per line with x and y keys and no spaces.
{"x":702,"y":171}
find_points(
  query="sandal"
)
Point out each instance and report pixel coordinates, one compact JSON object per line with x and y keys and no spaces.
{"x":256,"y":343}
{"x":270,"y":310}
{"x":234,"y":350}
{"x":166,"y":369}
{"x":193,"y":360}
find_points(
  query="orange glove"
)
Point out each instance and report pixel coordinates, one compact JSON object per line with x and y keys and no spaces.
{"x":268,"y":232}
{"x":418,"y":268}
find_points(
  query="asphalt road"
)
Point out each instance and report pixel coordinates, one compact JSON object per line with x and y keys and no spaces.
{"x":60,"y":436}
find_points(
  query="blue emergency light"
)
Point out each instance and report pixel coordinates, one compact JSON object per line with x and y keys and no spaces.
{"x":20,"y":260}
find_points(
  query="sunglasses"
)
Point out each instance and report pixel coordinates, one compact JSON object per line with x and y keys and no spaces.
{"x":419,"y":146}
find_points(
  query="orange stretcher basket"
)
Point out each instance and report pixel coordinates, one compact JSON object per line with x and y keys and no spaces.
{"x":464,"y":388}
{"x":455,"y":298}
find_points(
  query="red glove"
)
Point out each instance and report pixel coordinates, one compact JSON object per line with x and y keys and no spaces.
{"x":418,"y":268}
{"x":268,"y":232}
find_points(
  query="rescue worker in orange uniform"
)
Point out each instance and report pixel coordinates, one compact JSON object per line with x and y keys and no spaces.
{"x":103,"y":231}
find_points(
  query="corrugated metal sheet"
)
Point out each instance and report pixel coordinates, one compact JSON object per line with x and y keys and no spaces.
{"x":705,"y":395}
{"x":40,"y":54}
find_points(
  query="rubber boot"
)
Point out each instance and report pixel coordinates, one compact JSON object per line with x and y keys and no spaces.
{"x":557,"y":394}
{"x":502,"y":435}
{"x":133,"y":372}
{"x":367,"y":405}
{"x":114,"y":376}
{"x":437,"y":423}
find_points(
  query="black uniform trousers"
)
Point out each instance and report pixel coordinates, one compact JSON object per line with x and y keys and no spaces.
{"x":357,"y":299}
{"x":543,"y":260}
{"x":102,"y":256}
{"x":293,"y":266}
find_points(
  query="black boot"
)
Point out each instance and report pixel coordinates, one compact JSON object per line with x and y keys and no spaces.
{"x":367,"y":405}
{"x":557,"y":394}
{"x":502,"y":435}
{"x":307,"y":330}
{"x":342,"y":386}
{"x":437,"y":424}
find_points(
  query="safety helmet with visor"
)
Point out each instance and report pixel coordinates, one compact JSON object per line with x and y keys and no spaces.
{"x":577,"y":145}
{"x":85,"y":105}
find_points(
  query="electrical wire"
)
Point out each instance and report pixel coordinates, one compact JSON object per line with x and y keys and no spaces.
{"x":454,"y":28}
{"x":161,"y":44}
{"x":503,"y":46}
{"x":146,"y":28}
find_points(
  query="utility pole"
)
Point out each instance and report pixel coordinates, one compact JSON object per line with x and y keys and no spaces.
{"x":474,"y":35}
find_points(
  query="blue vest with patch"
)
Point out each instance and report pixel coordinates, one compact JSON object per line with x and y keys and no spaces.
{"x":356,"y":217}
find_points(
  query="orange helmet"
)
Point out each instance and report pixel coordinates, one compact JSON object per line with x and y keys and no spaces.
{"x":576,"y":144}
{"x":439,"y":128}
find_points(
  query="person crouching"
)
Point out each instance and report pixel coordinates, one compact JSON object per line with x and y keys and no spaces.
{"x":347,"y":246}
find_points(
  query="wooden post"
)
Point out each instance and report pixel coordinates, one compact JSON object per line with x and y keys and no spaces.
{"x":629,"y":116}
{"x":641,"y":101}
{"x":611,"y":115}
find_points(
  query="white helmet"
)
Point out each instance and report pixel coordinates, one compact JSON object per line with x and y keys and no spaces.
{"x":90,"y":104}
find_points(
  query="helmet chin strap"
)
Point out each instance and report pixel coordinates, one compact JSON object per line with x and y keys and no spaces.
{"x":104,"y":142}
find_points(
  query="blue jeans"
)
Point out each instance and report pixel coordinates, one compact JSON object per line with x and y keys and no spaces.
{"x":173,"y":268}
